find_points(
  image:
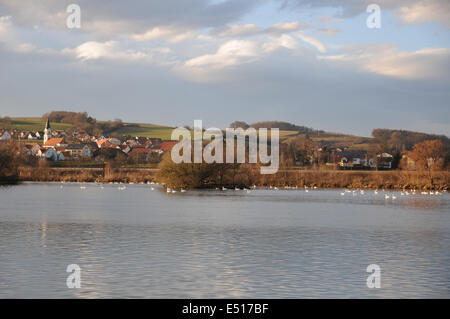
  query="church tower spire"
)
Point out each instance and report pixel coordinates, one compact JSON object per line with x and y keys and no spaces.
{"x":47,"y":125}
{"x":47,"y":131}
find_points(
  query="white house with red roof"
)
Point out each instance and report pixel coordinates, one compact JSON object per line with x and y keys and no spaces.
{"x":55,"y":142}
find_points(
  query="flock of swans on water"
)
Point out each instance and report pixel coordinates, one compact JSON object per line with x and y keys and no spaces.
{"x":391,"y":195}
{"x":356,"y":192}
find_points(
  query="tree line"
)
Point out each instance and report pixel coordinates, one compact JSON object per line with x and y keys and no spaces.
{"x":82,"y":121}
{"x":284,"y":126}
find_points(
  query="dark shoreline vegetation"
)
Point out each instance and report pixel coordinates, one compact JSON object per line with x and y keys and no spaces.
{"x":320,"y":178}
{"x":9,"y":165}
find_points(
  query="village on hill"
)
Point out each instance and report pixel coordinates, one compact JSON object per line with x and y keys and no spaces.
{"x":58,"y":145}
{"x":77,"y":146}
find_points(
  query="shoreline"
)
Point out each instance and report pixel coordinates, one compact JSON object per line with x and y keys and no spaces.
{"x":286,"y":188}
{"x":371,"y":180}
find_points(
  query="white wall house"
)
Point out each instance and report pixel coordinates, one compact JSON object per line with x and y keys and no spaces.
{"x":5,"y":136}
{"x":36,"y":150}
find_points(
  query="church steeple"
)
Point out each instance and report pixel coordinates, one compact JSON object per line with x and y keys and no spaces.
{"x":47,"y":125}
{"x":47,"y":131}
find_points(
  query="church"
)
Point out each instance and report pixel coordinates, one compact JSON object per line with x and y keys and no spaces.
{"x":47,"y":131}
{"x":49,"y":140}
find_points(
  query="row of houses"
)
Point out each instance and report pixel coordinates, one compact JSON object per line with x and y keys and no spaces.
{"x":360,"y":159}
{"x":28,"y":135}
{"x":57,"y":149}
{"x":98,"y":147}
{"x":84,"y":146}
{"x":58,"y":145}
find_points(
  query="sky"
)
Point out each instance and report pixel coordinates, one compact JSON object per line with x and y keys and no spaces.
{"x":309,"y":62}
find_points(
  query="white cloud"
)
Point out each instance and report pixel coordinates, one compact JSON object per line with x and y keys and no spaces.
{"x":117,"y":17}
{"x":229,"y":54}
{"x":420,"y":64}
{"x":329,"y":32}
{"x":5,"y":25}
{"x":10,"y":39}
{"x":93,"y":50}
{"x":240,"y":30}
{"x":247,"y":30}
{"x":424,"y":11}
{"x":25,"y":47}
{"x":286,"y":27}
{"x":168,"y":33}
{"x":283,"y":41}
{"x":383,"y":59}
{"x":313,"y":41}
{"x":410,"y":11}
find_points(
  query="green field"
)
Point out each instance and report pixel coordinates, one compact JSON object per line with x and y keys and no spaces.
{"x":146,"y":130}
{"x":164,"y":132}
{"x":132,"y":129}
{"x":35,"y":124}
{"x":350,"y":141}
{"x":336,"y":140}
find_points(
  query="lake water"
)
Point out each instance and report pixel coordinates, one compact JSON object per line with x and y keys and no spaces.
{"x":143,"y":243}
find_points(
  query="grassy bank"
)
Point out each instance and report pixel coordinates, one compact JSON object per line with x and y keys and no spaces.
{"x":300,"y":178}
{"x":360,"y":179}
{"x":47,"y":174}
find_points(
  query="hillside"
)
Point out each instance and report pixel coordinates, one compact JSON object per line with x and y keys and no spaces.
{"x":146,"y":130}
{"x":132,"y":129}
{"x":164,"y":132}
{"x":35,"y":124}
{"x":395,"y":139}
{"x":289,"y":131}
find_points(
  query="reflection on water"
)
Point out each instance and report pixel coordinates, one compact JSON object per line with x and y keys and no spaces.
{"x":213,"y":244}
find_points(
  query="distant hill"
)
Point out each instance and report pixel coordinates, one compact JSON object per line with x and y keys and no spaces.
{"x":132,"y":129}
{"x":398,"y":140}
{"x":289,"y":131}
{"x":351,"y":142}
{"x":404,"y":140}
{"x":146,"y":130}
{"x":283,"y":126}
{"x":35,"y":124}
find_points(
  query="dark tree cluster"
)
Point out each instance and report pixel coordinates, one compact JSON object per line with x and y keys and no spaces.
{"x":82,"y":121}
